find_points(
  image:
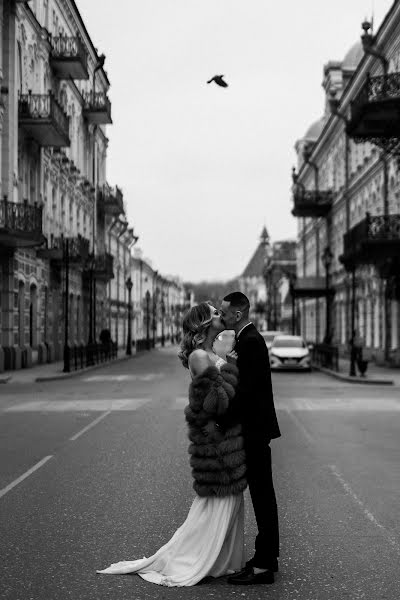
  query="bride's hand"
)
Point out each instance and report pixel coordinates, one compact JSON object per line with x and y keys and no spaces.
{"x":231,"y":357}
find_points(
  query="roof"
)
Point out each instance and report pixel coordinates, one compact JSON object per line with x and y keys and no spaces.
{"x":315,"y":129}
{"x":255,"y":266}
{"x":353,"y":57}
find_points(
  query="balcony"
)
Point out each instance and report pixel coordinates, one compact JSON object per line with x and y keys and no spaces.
{"x":374,"y":240}
{"x":311,"y":287}
{"x":101,"y":266}
{"x":111,"y":201}
{"x":97,"y":108}
{"x":311,"y":203}
{"x":20,"y":224}
{"x":43,"y":119}
{"x":375,"y":111}
{"x":68,"y":58}
{"x":78,"y":250}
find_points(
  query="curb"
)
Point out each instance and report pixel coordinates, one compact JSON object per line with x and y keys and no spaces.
{"x":361,"y":380}
{"x":61,"y":375}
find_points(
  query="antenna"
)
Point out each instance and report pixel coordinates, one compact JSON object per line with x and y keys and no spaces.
{"x":372,"y":15}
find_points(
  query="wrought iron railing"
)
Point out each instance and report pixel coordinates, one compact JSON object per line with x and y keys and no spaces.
{"x":112,"y":197}
{"x":375,"y":228}
{"x":324,"y":355}
{"x":375,"y":89}
{"x":68,"y":47}
{"x":21,"y":217}
{"x":303,"y":197}
{"x":96,"y":101}
{"x":78,"y":247}
{"x":43,"y":107}
{"x":101,"y":265}
{"x":92,"y":354}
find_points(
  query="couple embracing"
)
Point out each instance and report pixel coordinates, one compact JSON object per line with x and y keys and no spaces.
{"x":231,"y":421}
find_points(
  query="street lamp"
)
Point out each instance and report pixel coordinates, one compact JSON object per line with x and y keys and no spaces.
{"x":162,"y":321}
{"x":353,"y":323}
{"x":292,"y":281}
{"x":67,"y":355}
{"x":327,"y":258}
{"x":129,"y":286}
{"x":148,"y":320}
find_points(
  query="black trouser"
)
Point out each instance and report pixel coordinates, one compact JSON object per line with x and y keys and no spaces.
{"x":261,"y":487}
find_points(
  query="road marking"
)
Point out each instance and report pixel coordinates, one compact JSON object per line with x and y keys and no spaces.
{"x":143,"y":377}
{"x":389,"y":536}
{"x":79,"y":405}
{"x":299,"y":425}
{"x":12,"y":485}
{"x":344,"y":404}
{"x":92,"y":424}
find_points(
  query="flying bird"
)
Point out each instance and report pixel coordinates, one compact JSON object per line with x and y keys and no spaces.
{"x":218,"y":79}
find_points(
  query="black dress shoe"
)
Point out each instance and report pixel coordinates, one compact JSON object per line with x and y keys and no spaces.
{"x":248,"y":577}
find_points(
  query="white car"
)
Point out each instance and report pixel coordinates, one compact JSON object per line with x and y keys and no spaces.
{"x":289,"y":352}
{"x":269,"y":337}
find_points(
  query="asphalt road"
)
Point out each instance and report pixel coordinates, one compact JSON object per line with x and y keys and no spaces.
{"x":95,"y":469}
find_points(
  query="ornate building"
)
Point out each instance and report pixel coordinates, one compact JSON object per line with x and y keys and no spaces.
{"x":280,"y":275}
{"x":252,"y":282}
{"x":346,"y":193}
{"x":266,"y":282}
{"x":65,"y":244}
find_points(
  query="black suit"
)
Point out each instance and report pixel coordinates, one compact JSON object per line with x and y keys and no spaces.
{"x":253,"y":407}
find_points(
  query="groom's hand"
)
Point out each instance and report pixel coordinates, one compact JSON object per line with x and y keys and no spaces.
{"x":232,"y":357}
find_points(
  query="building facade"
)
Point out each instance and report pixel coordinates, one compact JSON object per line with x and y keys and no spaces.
{"x":252,"y":282}
{"x":280,"y":275}
{"x":346,"y":193}
{"x":65,"y":243}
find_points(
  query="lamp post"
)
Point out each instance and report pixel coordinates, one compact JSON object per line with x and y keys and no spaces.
{"x":148,"y":320}
{"x":162,"y":321}
{"x":129,"y":286}
{"x":353,"y":322}
{"x":327,"y":257}
{"x":67,"y":356}
{"x":292,"y":280}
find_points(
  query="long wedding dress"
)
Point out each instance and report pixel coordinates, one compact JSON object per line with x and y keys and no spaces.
{"x":209,"y":543}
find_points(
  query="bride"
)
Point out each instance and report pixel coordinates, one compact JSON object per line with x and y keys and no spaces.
{"x":211,"y":540}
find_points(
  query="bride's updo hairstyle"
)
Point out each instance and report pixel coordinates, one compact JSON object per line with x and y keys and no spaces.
{"x":196,"y":323}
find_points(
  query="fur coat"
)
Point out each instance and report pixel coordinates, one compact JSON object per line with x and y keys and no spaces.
{"x":217,"y":457}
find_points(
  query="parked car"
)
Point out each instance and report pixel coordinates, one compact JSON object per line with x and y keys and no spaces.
{"x":289,"y":352}
{"x":269,"y":337}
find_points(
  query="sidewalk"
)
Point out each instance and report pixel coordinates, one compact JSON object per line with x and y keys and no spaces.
{"x":375,"y":374}
{"x":52,"y":371}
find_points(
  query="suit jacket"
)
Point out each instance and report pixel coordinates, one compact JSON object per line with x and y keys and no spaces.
{"x":253,"y":404}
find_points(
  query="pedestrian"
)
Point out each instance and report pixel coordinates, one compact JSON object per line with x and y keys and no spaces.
{"x":253,"y":407}
{"x":211,"y":540}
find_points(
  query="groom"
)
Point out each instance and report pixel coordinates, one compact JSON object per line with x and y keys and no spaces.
{"x":253,"y":407}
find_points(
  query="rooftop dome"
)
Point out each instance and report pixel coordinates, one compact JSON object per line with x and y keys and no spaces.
{"x":353,"y":57}
{"x":314,"y":131}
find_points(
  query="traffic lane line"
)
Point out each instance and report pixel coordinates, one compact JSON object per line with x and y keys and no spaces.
{"x":391,"y":538}
{"x":299,"y":425}
{"x":17,"y":481}
{"x":90,"y":425}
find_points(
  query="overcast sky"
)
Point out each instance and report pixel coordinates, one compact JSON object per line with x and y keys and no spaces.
{"x":203,"y":168}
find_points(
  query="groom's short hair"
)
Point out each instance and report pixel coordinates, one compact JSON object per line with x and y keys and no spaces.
{"x":238,"y":301}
